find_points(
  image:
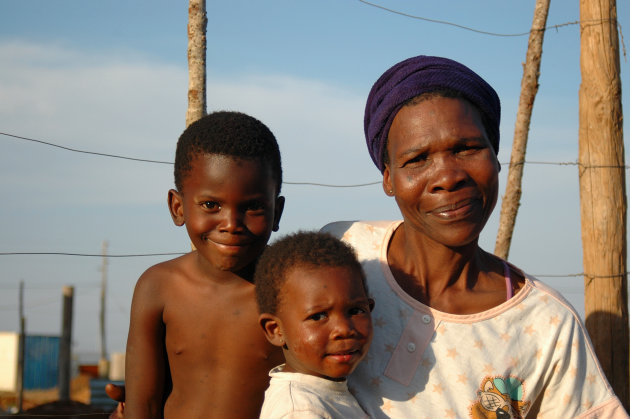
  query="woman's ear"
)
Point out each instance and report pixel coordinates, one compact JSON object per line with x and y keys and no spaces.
{"x":387,"y":182}
{"x":272,"y":328}
{"x":176,"y":207}
{"x":277,"y":213}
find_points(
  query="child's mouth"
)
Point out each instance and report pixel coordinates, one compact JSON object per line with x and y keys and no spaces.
{"x":345,"y":356}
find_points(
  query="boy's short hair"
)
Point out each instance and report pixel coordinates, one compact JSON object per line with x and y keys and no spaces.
{"x":227,"y":133}
{"x":301,"y":249}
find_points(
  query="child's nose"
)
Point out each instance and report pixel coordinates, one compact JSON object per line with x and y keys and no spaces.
{"x":343,"y":328}
{"x":231,"y":220}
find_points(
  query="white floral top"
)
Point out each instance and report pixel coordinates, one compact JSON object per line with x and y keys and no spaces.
{"x":530,"y":356}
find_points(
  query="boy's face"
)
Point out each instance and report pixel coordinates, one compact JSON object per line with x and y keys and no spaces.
{"x":324,"y":318}
{"x":229,"y":207}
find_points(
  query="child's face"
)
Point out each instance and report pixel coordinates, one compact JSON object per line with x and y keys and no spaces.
{"x":229,"y":207}
{"x":324,"y":315}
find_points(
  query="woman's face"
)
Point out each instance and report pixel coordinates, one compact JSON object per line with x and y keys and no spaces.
{"x":442,"y":170}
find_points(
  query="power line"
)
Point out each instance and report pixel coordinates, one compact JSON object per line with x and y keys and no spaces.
{"x":40,"y":287}
{"x":117,"y":156}
{"x":334,"y":186}
{"x":327,"y":185}
{"x":83,"y":151}
{"x":89,"y":254}
{"x":31,"y":415}
{"x":42,"y":302}
{"x":444,"y":22}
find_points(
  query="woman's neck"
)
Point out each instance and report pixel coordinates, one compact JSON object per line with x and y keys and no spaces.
{"x":434,"y":274}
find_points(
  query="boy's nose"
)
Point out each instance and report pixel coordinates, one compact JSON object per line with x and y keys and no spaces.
{"x":231,"y":220}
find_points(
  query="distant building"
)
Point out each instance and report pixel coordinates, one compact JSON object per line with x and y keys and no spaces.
{"x":41,"y":356}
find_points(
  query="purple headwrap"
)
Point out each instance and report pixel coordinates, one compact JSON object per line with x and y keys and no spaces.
{"x":423,"y":74}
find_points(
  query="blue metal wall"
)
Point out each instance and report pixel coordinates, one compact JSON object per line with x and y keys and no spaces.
{"x":41,"y":356}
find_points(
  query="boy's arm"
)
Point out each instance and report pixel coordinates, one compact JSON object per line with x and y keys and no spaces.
{"x":146,"y":356}
{"x":116,"y":393}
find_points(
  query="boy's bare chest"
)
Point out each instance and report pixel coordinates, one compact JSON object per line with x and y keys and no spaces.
{"x":206,"y":328}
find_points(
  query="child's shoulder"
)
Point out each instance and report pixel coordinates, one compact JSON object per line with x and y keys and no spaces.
{"x":165,"y":273}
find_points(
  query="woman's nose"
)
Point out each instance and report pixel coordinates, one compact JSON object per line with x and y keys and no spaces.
{"x":447,"y":174}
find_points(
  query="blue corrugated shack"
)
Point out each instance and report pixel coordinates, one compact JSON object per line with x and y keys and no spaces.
{"x":41,"y":357}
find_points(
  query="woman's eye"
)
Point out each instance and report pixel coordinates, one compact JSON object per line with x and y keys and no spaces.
{"x":317,"y":316}
{"x":418,"y":159}
{"x":467,"y":149}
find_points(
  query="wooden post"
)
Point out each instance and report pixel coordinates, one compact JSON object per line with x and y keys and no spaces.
{"x":197,"y":23}
{"x":103,"y":364}
{"x":529,"y":88}
{"x":603,"y":191}
{"x":65,"y":344}
{"x":21,"y":350}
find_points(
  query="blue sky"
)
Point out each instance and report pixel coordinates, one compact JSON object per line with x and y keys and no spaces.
{"x":111,"y":77}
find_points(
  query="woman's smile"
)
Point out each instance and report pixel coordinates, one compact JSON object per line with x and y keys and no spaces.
{"x":458,"y":210}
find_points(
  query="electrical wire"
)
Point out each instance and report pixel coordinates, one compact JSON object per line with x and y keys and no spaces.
{"x":444,"y":22}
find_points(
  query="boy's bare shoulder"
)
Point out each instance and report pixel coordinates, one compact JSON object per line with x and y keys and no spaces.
{"x":164,"y":274}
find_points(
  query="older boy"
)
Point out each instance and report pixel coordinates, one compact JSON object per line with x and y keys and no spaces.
{"x":194,"y":318}
{"x":313,"y":301}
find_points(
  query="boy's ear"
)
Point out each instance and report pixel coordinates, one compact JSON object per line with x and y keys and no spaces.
{"x":272,"y":329}
{"x":176,"y":207}
{"x":278,"y":212}
{"x":371,"y":304}
{"x":387,"y":182}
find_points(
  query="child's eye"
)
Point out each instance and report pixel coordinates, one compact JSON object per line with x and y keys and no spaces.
{"x":255,"y":206}
{"x":210,"y":205}
{"x":357,"y":310}
{"x":317,"y":316}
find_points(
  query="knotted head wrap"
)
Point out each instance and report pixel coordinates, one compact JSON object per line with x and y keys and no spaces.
{"x":424,"y":74}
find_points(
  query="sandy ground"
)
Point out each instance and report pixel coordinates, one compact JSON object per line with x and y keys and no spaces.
{"x":79,"y":391}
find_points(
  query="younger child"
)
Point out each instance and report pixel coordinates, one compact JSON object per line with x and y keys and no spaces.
{"x":311,"y":293}
{"x":194,"y":320}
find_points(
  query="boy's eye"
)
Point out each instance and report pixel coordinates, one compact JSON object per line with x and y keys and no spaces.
{"x":317,"y":316}
{"x":210,"y":205}
{"x":255,"y":206}
{"x":357,"y":310}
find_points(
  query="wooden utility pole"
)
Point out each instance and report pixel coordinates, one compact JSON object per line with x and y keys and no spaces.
{"x":65,"y":344}
{"x":103,"y":364}
{"x":529,"y":88}
{"x":197,"y":23}
{"x":603,"y":191}
{"x":21,"y":350}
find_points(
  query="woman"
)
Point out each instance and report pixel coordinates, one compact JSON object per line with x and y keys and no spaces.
{"x":458,"y":332}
